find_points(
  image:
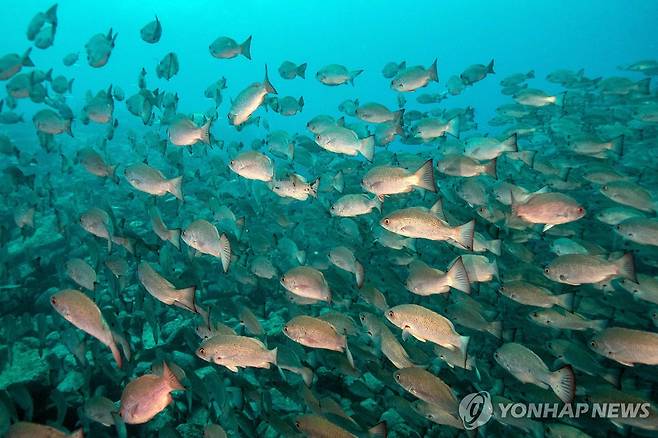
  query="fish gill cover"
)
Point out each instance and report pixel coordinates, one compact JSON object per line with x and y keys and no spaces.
{"x":328,"y":218}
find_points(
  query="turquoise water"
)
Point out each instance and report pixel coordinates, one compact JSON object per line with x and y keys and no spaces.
{"x":531,"y":175}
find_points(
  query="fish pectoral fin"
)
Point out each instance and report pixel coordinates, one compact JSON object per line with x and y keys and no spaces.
{"x":625,"y":363}
{"x":232,"y":368}
{"x":406,"y":334}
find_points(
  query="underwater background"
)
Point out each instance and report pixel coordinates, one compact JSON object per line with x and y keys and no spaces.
{"x":350,"y":264}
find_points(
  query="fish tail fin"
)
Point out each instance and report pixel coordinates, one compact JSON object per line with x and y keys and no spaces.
{"x":267,"y":84}
{"x":559,"y":99}
{"x":314,"y":188}
{"x":339,"y":181}
{"x":367,"y":147}
{"x":273,"y":356}
{"x":307,"y":375}
{"x":618,"y":145}
{"x":126,"y":242}
{"x":301,"y":102}
{"x":225,"y":251}
{"x":530,"y":74}
{"x":360,"y":274}
{"x":464,"y":235}
{"x":301,"y":70}
{"x":125,"y":345}
{"x":612,"y":377}
{"x":353,"y":74}
{"x":514,"y":204}
{"x":204,"y":132}
{"x":379,"y":430}
{"x":186,"y":298}
{"x":565,"y":300}
{"x":496,"y":329}
{"x":78,"y":433}
{"x":494,"y":247}
{"x":377,"y":203}
{"x":644,"y":85}
{"x":453,"y":126}
{"x":51,"y":14}
{"x":398,"y":118}
{"x":433,"y":71}
{"x":510,"y":144}
{"x":626,"y":266}
{"x":490,"y":67}
{"x":563,"y":383}
{"x":26,"y":61}
{"x":174,"y":237}
{"x":116,"y":353}
{"x":528,"y":157}
{"x":170,"y":378}
{"x":348,"y":353}
{"x":175,"y":187}
{"x":494,"y":269}
{"x":424,"y":177}
{"x":68,"y":128}
{"x":70,"y":86}
{"x":490,"y":169}
{"x":598,"y":324}
{"x":458,"y":277}
{"x":245,"y":48}
{"x":463,"y":345}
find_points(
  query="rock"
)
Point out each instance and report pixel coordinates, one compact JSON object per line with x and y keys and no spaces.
{"x":72,"y":382}
{"x":26,"y":366}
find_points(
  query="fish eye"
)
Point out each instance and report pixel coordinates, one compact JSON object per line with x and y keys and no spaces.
{"x":593,"y":344}
{"x":604,"y":188}
{"x":547,"y":270}
{"x":202,"y":350}
{"x":535,"y":314}
{"x":581,"y":209}
{"x":285,"y":328}
{"x":496,"y":355}
{"x":397,"y":376}
{"x":298,"y":425}
{"x":283,"y":279}
{"x":53,"y":300}
{"x":387,"y":221}
{"x":390,"y":314}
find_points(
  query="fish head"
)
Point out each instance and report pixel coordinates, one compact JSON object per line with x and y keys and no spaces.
{"x":598,"y":345}
{"x":551,"y":273}
{"x":392,"y":316}
{"x":336,"y":210}
{"x":626,"y":231}
{"x":61,"y":305}
{"x":387,"y":223}
{"x":397,"y":84}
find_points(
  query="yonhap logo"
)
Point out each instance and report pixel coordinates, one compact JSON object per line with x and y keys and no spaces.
{"x":475,"y":409}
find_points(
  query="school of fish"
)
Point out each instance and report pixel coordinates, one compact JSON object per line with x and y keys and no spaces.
{"x":356,"y":277}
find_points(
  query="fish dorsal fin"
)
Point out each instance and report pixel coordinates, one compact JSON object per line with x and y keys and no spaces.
{"x":437,"y":210}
